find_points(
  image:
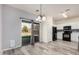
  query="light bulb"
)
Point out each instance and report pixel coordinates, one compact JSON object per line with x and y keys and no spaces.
{"x":36,"y":19}
{"x":43,"y":18}
{"x":64,"y":15}
{"x":39,"y":18}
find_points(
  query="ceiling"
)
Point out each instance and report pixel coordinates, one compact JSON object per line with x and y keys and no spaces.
{"x":53,"y":10}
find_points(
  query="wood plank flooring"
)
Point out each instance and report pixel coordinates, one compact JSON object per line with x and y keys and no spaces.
{"x":52,"y":48}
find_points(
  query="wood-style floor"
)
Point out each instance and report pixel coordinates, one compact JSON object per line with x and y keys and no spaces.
{"x":58,"y":47}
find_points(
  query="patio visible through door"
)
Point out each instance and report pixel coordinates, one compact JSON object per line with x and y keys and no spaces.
{"x":26,"y":33}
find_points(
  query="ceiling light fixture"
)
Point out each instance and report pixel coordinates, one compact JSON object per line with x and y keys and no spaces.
{"x":64,"y":14}
{"x":40,"y":17}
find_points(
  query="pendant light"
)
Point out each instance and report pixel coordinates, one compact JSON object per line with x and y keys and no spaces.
{"x":40,"y":17}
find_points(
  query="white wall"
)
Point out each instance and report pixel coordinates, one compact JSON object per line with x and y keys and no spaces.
{"x":74,"y":23}
{"x":12,"y":26}
{"x":46,"y":30}
{"x":49,"y":28}
{"x":43,"y":32}
{"x":0,"y":29}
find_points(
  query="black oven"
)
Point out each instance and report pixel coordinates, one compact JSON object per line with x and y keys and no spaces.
{"x":67,"y":33}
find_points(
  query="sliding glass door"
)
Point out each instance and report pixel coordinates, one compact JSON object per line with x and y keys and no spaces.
{"x":26,"y":33}
{"x":29,"y":32}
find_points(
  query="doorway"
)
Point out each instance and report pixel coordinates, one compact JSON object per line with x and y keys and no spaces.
{"x":29,"y":32}
{"x":26,"y":33}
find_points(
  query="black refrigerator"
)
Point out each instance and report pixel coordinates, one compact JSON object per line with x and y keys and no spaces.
{"x":54,"y":33}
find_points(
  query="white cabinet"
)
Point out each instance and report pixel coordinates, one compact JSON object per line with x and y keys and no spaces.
{"x":74,"y":36}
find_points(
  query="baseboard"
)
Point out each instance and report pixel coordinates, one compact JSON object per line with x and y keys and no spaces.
{"x":10,"y":48}
{"x":71,"y":40}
